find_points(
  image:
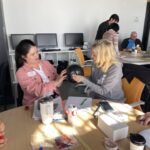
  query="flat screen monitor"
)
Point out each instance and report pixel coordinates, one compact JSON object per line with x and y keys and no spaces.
{"x":46,"y":40}
{"x":73,"y":40}
{"x":17,"y":38}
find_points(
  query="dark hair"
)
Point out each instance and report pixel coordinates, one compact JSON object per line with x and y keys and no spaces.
{"x":22,"y":49}
{"x":114,"y":26}
{"x":115,"y":17}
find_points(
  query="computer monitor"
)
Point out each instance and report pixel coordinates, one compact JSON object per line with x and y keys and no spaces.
{"x":17,"y":38}
{"x":46,"y":40}
{"x":74,"y":40}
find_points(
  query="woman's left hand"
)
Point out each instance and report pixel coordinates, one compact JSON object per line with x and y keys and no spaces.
{"x":144,"y":119}
{"x":63,"y":73}
{"x":61,"y":78}
{"x":78,"y":78}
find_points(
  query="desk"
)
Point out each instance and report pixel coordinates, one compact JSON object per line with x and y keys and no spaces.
{"x":132,"y":58}
{"x":20,"y":126}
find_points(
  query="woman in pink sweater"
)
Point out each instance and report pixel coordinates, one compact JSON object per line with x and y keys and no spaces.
{"x":36,"y":77}
{"x":112,"y":35}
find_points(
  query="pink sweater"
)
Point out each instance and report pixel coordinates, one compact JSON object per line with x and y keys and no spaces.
{"x":112,"y":36}
{"x":32,"y":84}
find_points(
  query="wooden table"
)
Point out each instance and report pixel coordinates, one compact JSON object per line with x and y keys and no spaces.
{"x":132,"y":58}
{"x":21,"y":128}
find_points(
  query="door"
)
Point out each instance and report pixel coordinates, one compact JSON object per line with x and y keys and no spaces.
{"x":146,"y":32}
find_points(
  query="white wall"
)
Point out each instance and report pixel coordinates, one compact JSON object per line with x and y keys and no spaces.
{"x":60,"y":16}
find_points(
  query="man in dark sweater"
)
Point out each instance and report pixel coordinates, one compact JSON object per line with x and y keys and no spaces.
{"x":132,"y":42}
{"x":104,"y":26}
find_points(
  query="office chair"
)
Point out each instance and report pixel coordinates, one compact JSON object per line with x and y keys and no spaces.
{"x":87,"y":65}
{"x":5,"y":86}
{"x":20,"y":95}
{"x":133,"y":92}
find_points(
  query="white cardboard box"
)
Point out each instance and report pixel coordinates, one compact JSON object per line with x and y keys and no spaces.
{"x":112,"y":128}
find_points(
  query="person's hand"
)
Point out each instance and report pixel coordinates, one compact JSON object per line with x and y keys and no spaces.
{"x":2,"y":126}
{"x":78,"y":78}
{"x":63,"y":73}
{"x":61,"y":78}
{"x":145,"y":119}
{"x":2,"y":134}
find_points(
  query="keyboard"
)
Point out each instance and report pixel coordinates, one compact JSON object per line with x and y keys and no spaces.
{"x":49,"y":50}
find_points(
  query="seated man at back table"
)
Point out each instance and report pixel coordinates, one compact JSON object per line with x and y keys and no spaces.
{"x":132,"y":42}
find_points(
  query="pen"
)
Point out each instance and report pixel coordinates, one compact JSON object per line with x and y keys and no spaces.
{"x":41,"y":147}
{"x":59,"y":119}
{"x":83,"y":101}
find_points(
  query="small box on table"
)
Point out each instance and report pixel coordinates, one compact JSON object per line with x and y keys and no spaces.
{"x":112,"y":128}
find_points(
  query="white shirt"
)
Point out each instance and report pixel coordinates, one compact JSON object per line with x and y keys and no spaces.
{"x":42,"y":74}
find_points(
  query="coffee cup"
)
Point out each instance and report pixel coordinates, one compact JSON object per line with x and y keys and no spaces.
{"x":135,"y":51}
{"x":137,"y":142}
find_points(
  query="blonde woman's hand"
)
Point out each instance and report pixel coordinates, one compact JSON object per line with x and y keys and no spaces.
{"x":78,"y":78}
{"x":61,"y":78}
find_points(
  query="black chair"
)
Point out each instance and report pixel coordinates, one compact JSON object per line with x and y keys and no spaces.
{"x":20,"y":96}
{"x":5,"y":86}
{"x":142,"y":73}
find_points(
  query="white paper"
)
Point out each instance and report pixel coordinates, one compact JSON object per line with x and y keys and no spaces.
{"x":146,"y":134}
{"x":36,"y":112}
{"x":57,"y":104}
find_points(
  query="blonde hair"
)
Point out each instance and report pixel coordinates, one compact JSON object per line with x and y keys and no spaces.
{"x":105,"y":54}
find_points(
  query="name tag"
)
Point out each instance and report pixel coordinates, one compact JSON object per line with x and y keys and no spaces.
{"x":101,"y":81}
{"x":31,"y":73}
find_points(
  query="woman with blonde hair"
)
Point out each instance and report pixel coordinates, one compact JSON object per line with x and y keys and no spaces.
{"x":106,"y":74}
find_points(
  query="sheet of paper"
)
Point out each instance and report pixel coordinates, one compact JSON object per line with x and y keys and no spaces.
{"x":36,"y":112}
{"x":79,"y":102}
{"x":146,"y":134}
{"x":57,"y":104}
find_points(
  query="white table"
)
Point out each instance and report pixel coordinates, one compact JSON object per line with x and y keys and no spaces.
{"x":20,"y":127}
{"x":132,"y":58}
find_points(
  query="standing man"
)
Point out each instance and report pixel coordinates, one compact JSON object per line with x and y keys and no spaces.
{"x":104,"y":26}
